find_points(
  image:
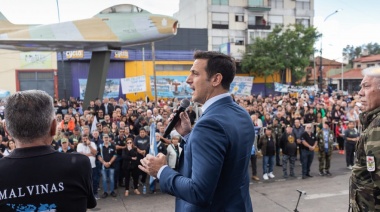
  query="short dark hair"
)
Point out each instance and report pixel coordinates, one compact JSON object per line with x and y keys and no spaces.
{"x":218,"y":63}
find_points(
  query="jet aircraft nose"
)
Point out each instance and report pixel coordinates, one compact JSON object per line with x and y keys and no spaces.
{"x":165,"y":24}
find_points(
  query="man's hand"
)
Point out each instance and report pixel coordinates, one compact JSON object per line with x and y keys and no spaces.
{"x":183,"y":125}
{"x":151,"y":165}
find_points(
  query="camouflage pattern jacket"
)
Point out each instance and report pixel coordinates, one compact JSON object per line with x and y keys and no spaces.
{"x":321,"y":141}
{"x":365,"y":179}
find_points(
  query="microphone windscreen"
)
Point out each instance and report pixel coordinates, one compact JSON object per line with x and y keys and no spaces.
{"x":185,"y":103}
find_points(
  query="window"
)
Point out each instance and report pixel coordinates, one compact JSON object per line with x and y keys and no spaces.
{"x":302,"y":5}
{"x":370,"y":65}
{"x":239,"y":41}
{"x":219,"y":2}
{"x":239,"y":17}
{"x":251,"y":20}
{"x":256,"y":34}
{"x":217,"y":41}
{"x":220,"y":20}
{"x":358,"y":65}
{"x":255,"y":3}
{"x":276,"y":3}
{"x":170,"y":67}
{"x":276,"y":20}
{"x":304,"y":21}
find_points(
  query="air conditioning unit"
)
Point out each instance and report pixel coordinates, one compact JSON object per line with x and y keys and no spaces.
{"x":231,"y":40}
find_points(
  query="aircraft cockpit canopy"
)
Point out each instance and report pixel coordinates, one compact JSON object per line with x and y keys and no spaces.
{"x":123,"y":8}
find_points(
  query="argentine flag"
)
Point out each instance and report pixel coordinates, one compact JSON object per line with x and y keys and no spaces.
{"x":153,"y":146}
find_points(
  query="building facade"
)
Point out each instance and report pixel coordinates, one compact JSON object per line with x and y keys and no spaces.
{"x":21,"y":71}
{"x":232,"y":24}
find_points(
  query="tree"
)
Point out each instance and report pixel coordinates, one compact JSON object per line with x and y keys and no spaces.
{"x":282,"y":49}
{"x":356,"y":52}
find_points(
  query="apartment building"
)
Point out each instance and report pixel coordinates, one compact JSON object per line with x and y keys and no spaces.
{"x":232,"y":24}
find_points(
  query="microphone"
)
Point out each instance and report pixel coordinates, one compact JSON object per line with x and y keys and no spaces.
{"x":302,"y":192}
{"x":182,"y":107}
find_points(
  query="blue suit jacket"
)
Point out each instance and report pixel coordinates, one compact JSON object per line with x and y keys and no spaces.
{"x":213,"y":173}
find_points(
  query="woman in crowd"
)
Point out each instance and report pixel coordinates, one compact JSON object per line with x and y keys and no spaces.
{"x":130,"y":168}
{"x":114,"y":129}
{"x":339,"y":133}
{"x":10,"y":147}
{"x":267,"y":120}
{"x":173,"y":153}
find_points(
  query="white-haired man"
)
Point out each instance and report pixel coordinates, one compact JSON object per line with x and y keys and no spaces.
{"x":365,"y":179}
{"x":43,"y":178}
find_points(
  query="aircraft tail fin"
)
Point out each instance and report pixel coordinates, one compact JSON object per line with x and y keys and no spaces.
{"x":7,"y":26}
{"x":3,"y":19}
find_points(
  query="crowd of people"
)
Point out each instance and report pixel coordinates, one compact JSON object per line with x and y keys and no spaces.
{"x":115,"y":134}
{"x":298,"y":126}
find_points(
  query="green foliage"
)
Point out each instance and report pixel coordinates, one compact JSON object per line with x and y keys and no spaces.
{"x":354,"y":52}
{"x":284,"y":48}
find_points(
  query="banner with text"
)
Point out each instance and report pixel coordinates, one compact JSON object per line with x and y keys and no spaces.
{"x":133,"y":84}
{"x":284,"y":88}
{"x":171,"y":87}
{"x":111,"y":89}
{"x":241,"y":85}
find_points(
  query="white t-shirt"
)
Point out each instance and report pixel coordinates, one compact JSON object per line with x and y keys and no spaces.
{"x":81,"y":148}
{"x":6,"y":152}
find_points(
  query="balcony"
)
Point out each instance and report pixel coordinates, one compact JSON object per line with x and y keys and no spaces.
{"x":259,"y":26}
{"x":258,"y":6}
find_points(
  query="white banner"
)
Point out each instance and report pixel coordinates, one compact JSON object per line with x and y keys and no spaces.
{"x":241,"y":85}
{"x":133,"y":84}
{"x":283,"y":88}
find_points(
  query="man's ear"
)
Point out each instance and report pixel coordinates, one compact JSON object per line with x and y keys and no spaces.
{"x":53,"y":128}
{"x":217,"y":79}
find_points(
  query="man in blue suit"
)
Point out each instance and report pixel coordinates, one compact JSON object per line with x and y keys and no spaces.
{"x":213,"y":166}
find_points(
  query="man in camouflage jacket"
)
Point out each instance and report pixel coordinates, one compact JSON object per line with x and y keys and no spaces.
{"x":325,"y":139}
{"x":365,"y":179}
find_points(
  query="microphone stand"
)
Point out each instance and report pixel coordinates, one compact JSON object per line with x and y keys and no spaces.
{"x":299,"y":197}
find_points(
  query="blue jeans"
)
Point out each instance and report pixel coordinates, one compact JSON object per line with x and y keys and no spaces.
{"x":307,"y":159}
{"x":268,"y":160}
{"x":108,"y":174}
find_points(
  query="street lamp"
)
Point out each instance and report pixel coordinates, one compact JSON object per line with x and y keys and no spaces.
{"x":320,"y":57}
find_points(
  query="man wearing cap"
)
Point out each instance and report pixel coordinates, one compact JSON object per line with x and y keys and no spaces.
{"x":325,"y":138}
{"x":288,"y":145}
{"x":107,"y":156}
{"x":65,"y":148}
{"x":76,"y":136}
{"x":365,"y":179}
{"x":267,"y":145}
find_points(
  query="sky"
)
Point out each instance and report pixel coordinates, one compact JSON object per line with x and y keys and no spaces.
{"x":357,"y":23}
